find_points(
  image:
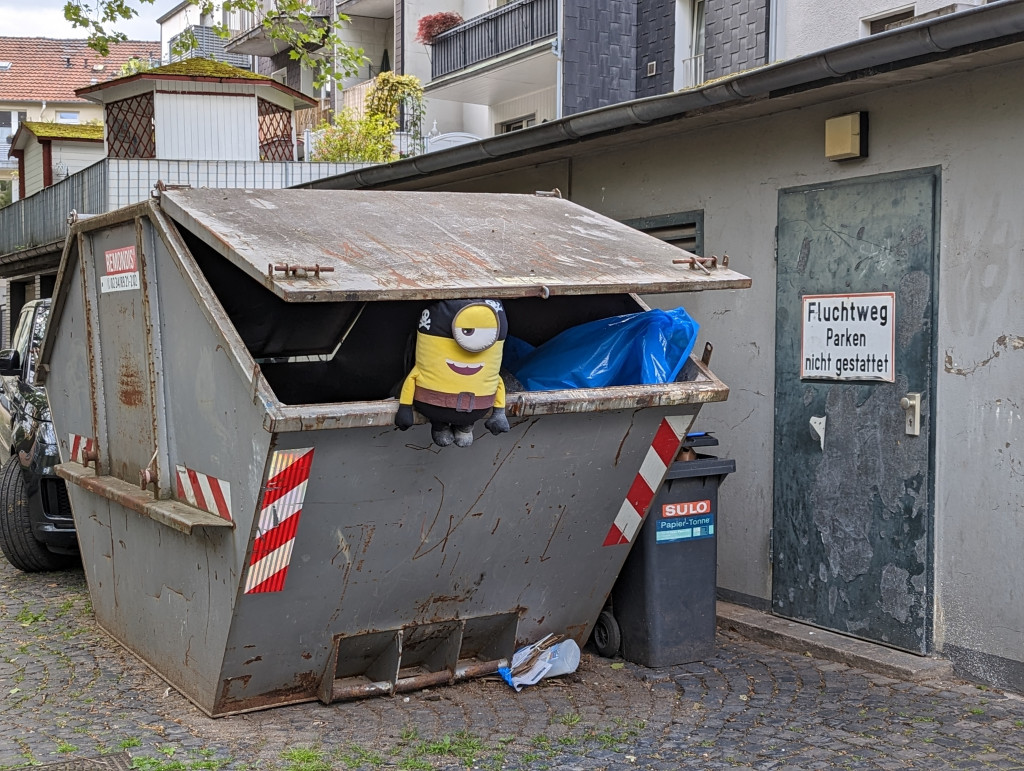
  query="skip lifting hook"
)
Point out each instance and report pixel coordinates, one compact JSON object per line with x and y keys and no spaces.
{"x":293,"y":270}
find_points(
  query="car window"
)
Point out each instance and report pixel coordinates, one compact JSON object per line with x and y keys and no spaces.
{"x":23,"y":334}
{"x":38,"y":332}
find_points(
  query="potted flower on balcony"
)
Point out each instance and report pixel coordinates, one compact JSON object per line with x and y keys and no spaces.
{"x":433,"y":24}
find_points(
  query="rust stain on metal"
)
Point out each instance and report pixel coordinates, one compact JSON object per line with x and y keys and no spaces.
{"x":576,"y":632}
{"x":304,"y":687}
{"x":543,"y":556}
{"x":253,"y":660}
{"x":618,"y":453}
{"x":130,"y":389}
{"x":496,"y":523}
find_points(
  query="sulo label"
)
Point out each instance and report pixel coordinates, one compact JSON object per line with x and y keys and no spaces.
{"x":687,"y":509}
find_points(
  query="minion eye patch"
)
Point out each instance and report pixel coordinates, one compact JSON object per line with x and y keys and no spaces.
{"x":456,"y":379}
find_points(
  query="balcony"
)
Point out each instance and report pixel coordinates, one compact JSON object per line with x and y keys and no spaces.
{"x":511,"y":45}
{"x":692,"y":71}
{"x":256,"y":41}
{"x":32,"y":230}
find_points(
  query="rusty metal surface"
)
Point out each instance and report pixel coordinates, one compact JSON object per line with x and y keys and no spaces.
{"x":700,"y":387}
{"x":174,"y":514}
{"x":399,"y":245}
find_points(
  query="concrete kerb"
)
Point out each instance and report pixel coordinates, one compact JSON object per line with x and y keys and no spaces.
{"x":795,"y":637}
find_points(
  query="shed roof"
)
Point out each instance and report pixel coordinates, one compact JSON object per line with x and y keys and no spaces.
{"x":45,"y":69}
{"x":85,"y":132}
{"x":58,"y":132}
{"x":195,"y":69}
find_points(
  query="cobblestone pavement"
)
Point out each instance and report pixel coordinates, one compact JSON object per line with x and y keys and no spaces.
{"x":69,"y":692}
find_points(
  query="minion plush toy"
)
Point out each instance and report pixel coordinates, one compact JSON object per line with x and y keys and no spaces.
{"x":456,"y":379}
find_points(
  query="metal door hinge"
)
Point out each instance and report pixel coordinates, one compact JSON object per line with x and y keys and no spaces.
{"x":771,"y":545}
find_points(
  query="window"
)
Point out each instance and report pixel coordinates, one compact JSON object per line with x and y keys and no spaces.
{"x":689,"y":43}
{"x":130,"y":132}
{"x":67,"y":117}
{"x":878,"y":25}
{"x":275,"y":132}
{"x":514,"y":125}
{"x":682,"y":229}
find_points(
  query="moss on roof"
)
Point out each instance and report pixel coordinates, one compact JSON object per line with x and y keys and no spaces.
{"x":205,"y":68}
{"x":64,"y":130}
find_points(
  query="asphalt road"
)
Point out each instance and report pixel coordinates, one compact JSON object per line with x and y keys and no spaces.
{"x":71,"y":695}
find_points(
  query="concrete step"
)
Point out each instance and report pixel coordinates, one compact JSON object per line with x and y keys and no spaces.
{"x":793,"y":636}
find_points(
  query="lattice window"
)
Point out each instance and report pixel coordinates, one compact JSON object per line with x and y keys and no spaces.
{"x":275,"y":132}
{"x":130,"y":131}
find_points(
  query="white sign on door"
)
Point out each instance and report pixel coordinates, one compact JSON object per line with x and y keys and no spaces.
{"x":848,"y":337}
{"x":122,"y":270}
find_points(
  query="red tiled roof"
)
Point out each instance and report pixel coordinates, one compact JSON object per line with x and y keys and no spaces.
{"x":43,"y":69}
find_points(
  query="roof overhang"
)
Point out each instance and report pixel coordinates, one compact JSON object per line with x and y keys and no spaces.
{"x":112,"y":91}
{"x":256,"y":42}
{"x":371,"y":9}
{"x":979,"y":37}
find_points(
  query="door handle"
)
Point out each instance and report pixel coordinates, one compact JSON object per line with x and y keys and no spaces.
{"x":911,"y":406}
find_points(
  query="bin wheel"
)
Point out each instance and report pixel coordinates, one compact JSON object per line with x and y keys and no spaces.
{"x":606,"y":635}
{"x":17,"y":542}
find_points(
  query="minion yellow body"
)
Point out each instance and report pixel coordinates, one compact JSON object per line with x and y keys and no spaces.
{"x":456,"y":379}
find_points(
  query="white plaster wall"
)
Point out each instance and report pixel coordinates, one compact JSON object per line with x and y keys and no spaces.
{"x":806,"y":26}
{"x":541,"y":104}
{"x":373,"y":36}
{"x":175,"y":25}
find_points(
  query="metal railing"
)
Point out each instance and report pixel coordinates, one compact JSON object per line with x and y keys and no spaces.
{"x":112,"y":183}
{"x":42,"y":218}
{"x":693,"y":71}
{"x":483,"y":37}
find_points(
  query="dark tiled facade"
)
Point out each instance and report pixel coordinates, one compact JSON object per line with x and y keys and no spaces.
{"x":736,"y":36}
{"x":608,"y":44}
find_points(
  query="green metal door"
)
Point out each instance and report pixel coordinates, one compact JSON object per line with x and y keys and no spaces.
{"x":852,"y":530}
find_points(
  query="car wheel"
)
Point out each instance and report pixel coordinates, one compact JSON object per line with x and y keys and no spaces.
{"x":606,"y":635}
{"x":17,"y":542}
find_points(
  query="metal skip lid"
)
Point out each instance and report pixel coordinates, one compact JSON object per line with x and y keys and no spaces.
{"x":331,"y":245}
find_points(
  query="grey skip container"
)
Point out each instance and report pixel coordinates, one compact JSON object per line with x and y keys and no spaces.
{"x":220,"y":366}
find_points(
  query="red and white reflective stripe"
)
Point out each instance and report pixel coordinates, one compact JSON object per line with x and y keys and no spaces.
{"x":80,"y":445}
{"x":279,"y":520}
{"x":667,"y":441}
{"x":205,"y":492}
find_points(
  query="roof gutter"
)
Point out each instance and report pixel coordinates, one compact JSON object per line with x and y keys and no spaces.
{"x":926,"y":38}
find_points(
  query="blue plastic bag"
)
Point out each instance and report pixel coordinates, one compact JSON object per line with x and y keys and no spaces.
{"x":638,"y":348}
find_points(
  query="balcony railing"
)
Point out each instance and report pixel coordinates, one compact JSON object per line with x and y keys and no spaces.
{"x":693,"y":71}
{"x":41,"y":219}
{"x":492,"y":34}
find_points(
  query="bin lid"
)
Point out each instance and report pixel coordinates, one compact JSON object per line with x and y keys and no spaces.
{"x":389,"y":245}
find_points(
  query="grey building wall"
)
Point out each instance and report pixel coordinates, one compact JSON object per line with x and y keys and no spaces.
{"x":598,"y":54}
{"x":736,"y":35}
{"x":655,"y":42}
{"x":979,"y":421}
